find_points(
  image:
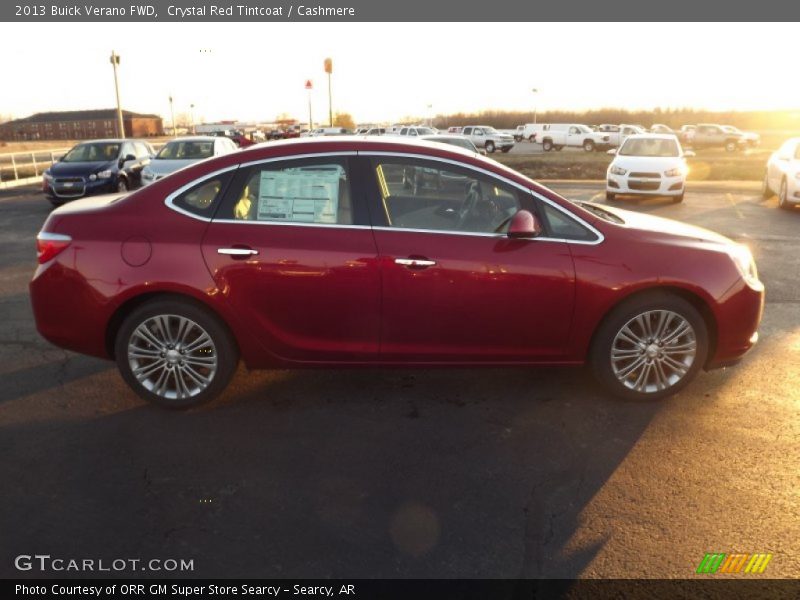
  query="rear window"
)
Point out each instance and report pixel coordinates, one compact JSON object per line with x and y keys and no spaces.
{"x":202,"y":199}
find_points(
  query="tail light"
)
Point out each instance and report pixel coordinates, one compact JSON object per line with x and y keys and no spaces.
{"x":50,"y":245}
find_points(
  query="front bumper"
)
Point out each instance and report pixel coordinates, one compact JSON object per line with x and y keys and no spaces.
{"x":738,"y":318}
{"x":61,"y":190}
{"x":645,"y":186}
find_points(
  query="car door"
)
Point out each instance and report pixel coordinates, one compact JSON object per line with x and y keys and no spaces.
{"x":574,"y":136}
{"x":292,"y":251}
{"x":129,"y":162}
{"x":455,"y":287}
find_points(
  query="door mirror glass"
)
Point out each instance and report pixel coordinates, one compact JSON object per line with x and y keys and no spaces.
{"x":524,"y":225}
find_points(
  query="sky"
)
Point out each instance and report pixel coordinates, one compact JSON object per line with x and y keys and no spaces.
{"x":387,"y":71}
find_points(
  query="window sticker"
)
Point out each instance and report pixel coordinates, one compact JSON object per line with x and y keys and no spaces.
{"x":304,"y":195}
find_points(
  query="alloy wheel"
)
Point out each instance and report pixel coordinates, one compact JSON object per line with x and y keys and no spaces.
{"x":653,"y":351}
{"x":172,"y":357}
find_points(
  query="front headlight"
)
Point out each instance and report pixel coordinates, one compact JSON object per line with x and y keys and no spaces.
{"x":743,"y":259}
{"x":676,"y":172}
{"x":103,"y":175}
{"x":617,"y":171}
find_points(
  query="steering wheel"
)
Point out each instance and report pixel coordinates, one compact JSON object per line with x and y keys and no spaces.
{"x":470,"y":204}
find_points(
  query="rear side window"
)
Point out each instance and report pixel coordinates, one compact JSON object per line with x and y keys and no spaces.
{"x":202,"y":199}
{"x":301,"y":191}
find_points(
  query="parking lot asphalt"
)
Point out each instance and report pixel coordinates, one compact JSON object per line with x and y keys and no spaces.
{"x":408,"y":473}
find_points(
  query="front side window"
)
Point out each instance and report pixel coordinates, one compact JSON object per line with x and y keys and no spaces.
{"x":301,"y":191}
{"x":428,"y":195}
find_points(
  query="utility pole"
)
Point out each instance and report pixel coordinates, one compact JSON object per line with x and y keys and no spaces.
{"x":329,"y":71}
{"x":535,"y":105}
{"x":172,"y":114}
{"x":120,"y":125}
{"x":191,"y":109}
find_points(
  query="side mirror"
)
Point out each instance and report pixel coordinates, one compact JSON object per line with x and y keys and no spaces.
{"x":524,"y":225}
{"x":612,"y":151}
{"x":689,"y":154}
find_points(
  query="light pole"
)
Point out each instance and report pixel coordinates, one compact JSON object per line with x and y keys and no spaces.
{"x":430,"y":115}
{"x":191,"y":112}
{"x":120,"y":125}
{"x":535,"y":107}
{"x":329,"y":70}
{"x":309,"y":87}
{"x":172,"y":115}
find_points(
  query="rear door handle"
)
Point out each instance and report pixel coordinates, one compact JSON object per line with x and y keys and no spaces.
{"x":237,"y":252}
{"x":415,"y":262}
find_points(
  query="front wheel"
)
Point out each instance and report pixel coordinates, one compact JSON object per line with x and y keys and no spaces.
{"x":649,"y":347}
{"x":588,"y":146}
{"x":175,"y":354}
{"x":610,"y":196}
{"x":731,"y":146}
{"x":122,"y":185}
{"x":766,"y":193}
{"x":547,"y":145}
{"x":783,"y":196}
{"x":489,"y":147}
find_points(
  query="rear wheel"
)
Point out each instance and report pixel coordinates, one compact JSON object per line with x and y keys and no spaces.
{"x":506,"y":150}
{"x":649,"y":347}
{"x":610,"y":196}
{"x":532,"y":139}
{"x":559,"y":148}
{"x":175,"y":354}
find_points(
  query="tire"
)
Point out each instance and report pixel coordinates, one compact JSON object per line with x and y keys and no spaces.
{"x":207,"y":369}
{"x":559,"y":148}
{"x":623,"y":378}
{"x":731,"y":146}
{"x":588,"y":146}
{"x":610,"y":196}
{"x":532,"y":139}
{"x":783,"y":196}
{"x":547,"y":145}
{"x":678,"y":199}
{"x":122,"y":185}
{"x":506,"y":150}
{"x":766,"y":193}
{"x":489,"y":147}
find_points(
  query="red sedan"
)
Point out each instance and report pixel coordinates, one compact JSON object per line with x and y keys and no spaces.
{"x":373,"y":251}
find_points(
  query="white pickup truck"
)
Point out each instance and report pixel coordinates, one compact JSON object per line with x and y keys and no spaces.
{"x":619,"y":133}
{"x":489,"y":138}
{"x":561,"y":135}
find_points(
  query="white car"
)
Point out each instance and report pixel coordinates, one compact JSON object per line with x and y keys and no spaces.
{"x":648,"y":164}
{"x":182,"y":152}
{"x":783,"y":174}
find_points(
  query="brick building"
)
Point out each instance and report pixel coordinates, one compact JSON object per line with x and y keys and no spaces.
{"x":80,"y":125}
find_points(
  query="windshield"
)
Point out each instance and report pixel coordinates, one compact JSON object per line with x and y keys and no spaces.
{"x":425,"y":131}
{"x":490,"y":130}
{"x":653,"y":147}
{"x":186,"y":150}
{"x":584,"y":129}
{"x":93,"y":152}
{"x":730,"y":129}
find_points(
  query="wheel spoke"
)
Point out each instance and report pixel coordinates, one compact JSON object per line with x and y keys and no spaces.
{"x":148,"y":336}
{"x":144,"y":371}
{"x":623,"y":373}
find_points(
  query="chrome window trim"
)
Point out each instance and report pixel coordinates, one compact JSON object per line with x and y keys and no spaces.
{"x":574,"y":217}
{"x":298,"y":157}
{"x":292,"y":223}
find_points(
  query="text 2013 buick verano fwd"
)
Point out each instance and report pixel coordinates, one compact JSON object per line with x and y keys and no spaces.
{"x":313,"y":252}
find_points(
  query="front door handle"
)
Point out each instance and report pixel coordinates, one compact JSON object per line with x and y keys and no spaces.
{"x":420,"y":263}
{"x":237,"y":252}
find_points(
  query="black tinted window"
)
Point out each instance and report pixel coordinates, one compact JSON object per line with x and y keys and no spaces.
{"x":203,"y":198}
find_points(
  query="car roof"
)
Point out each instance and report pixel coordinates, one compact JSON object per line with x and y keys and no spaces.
{"x":197,"y":138}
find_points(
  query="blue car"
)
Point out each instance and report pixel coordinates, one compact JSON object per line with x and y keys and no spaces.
{"x":97,"y":167}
